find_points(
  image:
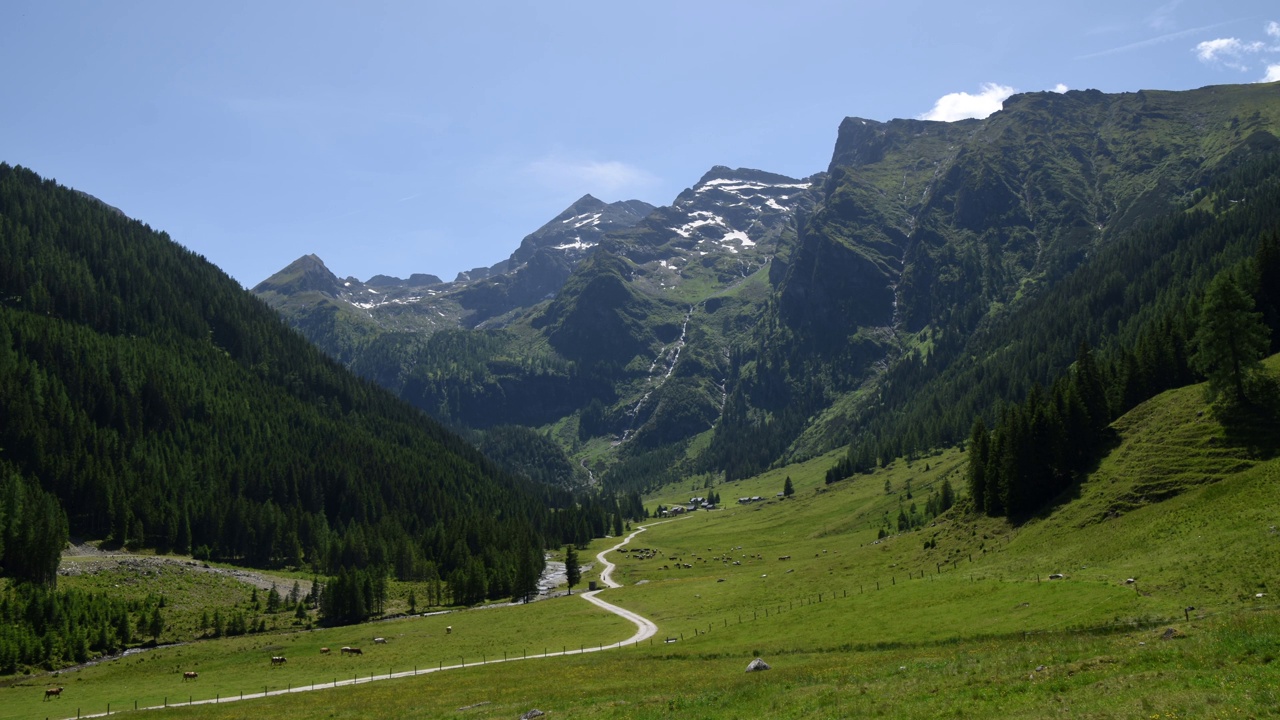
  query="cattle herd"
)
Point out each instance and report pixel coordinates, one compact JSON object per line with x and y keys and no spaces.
{"x":276,"y":661}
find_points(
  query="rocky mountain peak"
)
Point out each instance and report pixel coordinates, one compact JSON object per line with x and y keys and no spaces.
{"x":306,"y":274}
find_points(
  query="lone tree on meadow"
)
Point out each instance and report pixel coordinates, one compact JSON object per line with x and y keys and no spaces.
{"x":571,"y":570}
{"x":787,"y":488}
{"x":1231,"y":338}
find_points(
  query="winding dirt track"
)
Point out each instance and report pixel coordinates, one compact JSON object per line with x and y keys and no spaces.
{"x":645,"y":629}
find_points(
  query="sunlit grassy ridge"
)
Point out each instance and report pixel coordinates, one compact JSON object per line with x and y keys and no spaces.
{"x":855,"y":626}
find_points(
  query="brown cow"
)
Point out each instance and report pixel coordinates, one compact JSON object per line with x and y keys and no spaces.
{"x":351,"y":651}
{"x":53,"y":692}
{"x":189,"y":675}
{"x":324,"y":651}
{"x":278,"y":660}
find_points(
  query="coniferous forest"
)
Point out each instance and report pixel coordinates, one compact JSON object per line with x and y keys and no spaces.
{"x":150,"y":402}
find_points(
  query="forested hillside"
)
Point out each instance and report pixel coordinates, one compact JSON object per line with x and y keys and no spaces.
{"x":1138,"y":302}
{"x":159,"y":405}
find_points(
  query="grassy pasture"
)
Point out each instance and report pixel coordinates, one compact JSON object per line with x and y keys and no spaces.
{"x":1219,"y":668}
{"x":231,"y":666}
{"x":970,"y":626}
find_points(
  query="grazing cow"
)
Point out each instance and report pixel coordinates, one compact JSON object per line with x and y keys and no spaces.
{"x":448,"y":630}
{"x":324,"y":651}
{"x":189,"y":675}
{"x":379,"y":641}
{"x":351,"y":651}
{"x":53,"y":692}
{"x":278,"y":660}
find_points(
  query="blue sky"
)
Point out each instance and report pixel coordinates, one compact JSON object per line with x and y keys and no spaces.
{"x":402,"y":137}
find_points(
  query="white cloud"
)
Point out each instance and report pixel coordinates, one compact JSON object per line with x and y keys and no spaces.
{"x":1227,"y":51}
{"x":1273,"y":74}
{"x":962,"y":105}
{"x":1060,"y":88}
{"x":1273,"y":29}
{"x":612,"y":178}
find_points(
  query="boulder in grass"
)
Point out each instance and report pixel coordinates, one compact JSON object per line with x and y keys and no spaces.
{"x":757,"y":665}
{"x":534,"y":713}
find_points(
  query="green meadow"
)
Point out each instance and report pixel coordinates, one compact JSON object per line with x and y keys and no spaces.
{"x":1147,"y":592}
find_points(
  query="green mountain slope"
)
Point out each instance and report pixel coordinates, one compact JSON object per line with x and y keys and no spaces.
{"x":167,"y":408}
{"x":933,"y":272}
{"x":937,"y":238}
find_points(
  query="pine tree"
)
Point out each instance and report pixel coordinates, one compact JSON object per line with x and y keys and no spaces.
{"x":978,"y":460}
{"x":572,"y":572}
{"x":787,"y":488}
{"x":156,"y":624}
{"x":1231,"y":338}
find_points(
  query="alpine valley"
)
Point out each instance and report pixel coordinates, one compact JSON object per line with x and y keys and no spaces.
{"x":998,"y":399}
{"x":930,"y":274}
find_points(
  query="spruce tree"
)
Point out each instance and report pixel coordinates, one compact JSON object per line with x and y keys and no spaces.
{"x":572,"y":572}
{"x":1231,"y":338}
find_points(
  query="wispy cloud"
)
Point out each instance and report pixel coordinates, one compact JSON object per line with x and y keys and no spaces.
{"x":611,"y":177}
{"x":1229,"y":52}
{"x":1237,"y":54}
{"x":1273,"y":74}
{"x":1167,"y":37}
{"x":1162,"y":18}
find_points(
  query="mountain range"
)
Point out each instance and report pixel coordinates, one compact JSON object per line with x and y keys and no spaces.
{"x":760,"y":318}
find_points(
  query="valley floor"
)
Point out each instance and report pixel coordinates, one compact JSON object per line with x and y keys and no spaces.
{"x":1164,"y":608}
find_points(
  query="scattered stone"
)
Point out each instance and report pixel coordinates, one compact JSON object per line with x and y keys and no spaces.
{"x":479,"y":704}
{"x":757,"y":665}
{"x":1056,"y":576}
{"x":1130,"y":581}
{"x":534,"y":713}
{"x":1260,"y":595}
{"x":1040,"y":668}
{"x":1170,"y":633}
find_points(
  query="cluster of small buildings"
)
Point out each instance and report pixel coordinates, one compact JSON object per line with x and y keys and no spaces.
{"x":749,"y":500}
{"x":695,"y":503}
